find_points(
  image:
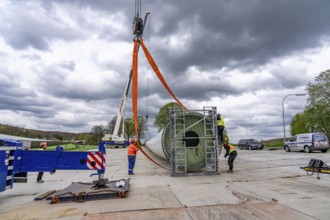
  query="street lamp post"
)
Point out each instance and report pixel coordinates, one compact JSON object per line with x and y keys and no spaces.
{"x":300,"y":94}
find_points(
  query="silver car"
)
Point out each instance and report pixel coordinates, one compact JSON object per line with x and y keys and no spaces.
{"x":308,"y":142}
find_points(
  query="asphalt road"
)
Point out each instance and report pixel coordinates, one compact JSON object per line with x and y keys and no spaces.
{"x":265,"y":185}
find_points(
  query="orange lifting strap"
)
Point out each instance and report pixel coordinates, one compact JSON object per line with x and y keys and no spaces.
{"x":159,"y":74}
{"x":135,"y":88}
{"x":134,"y":99}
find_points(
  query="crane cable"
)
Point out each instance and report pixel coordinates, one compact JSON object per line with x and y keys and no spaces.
{"x":147,"y":135}
{"x":135,"y":88}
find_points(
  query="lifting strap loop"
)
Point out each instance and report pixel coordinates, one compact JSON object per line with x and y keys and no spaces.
{"x":154,"y":66}
{"x":158,"y":73}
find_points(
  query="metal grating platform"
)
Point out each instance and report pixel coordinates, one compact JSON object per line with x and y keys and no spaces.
{"x":82,"y":192}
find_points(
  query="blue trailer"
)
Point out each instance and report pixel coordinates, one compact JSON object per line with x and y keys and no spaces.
{"x":13,"y":160}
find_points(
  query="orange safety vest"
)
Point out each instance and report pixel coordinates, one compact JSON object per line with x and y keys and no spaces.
{"x":231,"y":148}
{"x":132,"y":149}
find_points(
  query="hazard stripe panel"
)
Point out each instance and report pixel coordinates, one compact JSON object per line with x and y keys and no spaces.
{"x":96,"y":161}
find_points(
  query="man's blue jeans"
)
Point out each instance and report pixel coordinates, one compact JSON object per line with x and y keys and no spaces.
{"x":131,"y":163}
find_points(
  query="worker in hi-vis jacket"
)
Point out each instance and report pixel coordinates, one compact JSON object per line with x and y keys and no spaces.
{"x":221,"y":128}
{"x":132,"y":150}
{"x":231,"y":151}
{"x":43,"y":146}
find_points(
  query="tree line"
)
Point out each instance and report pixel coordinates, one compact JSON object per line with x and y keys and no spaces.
{"x":92,"y":137}
{"x":37,"y":134}
{"x":316,"y":115}
{"x":98,"y":131}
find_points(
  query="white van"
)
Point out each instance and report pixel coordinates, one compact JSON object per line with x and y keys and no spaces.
{"x":308,"y":142}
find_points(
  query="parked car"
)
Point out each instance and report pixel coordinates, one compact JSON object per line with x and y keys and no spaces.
{"x":308,"y":142}
{"x":250,"y":144}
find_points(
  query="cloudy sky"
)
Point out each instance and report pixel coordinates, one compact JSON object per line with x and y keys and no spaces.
{"x":64,"y":64}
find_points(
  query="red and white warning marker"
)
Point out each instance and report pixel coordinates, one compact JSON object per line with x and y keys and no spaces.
{"x":96,"y":160}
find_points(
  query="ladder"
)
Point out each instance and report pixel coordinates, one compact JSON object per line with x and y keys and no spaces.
{"x":179,"y":157}
{"x":204,"y":125}
{"x":210,"y":142}
{"x":209,"y":121}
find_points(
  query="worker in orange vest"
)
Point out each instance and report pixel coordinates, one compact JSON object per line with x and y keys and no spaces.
{"x":132,"y":150}
{"x":43,"y":146}
{"x":231,"y":151}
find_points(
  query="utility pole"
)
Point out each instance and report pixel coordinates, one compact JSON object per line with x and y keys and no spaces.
{"x":302,"y":94}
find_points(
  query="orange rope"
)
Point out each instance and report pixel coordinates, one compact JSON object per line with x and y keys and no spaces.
{"x":159,"y":74}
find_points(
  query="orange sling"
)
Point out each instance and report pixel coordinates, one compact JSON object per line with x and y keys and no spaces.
{"x":135,"y":88}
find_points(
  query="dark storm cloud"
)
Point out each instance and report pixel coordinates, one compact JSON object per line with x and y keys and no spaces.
{"x":289,"y":81}
{"x":10,"y":87}
{"x":238,"y":34}
{"x":283,"y":78}
{"x":25,"y":31}
{"x":18,"y":99}
{"x":121,"y":12}
{"x":31,"y":30}
{"x":233,"y":34}
{"x":188,"y":88}
{"x":100,"y":5}
{"x":55,"y":82}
